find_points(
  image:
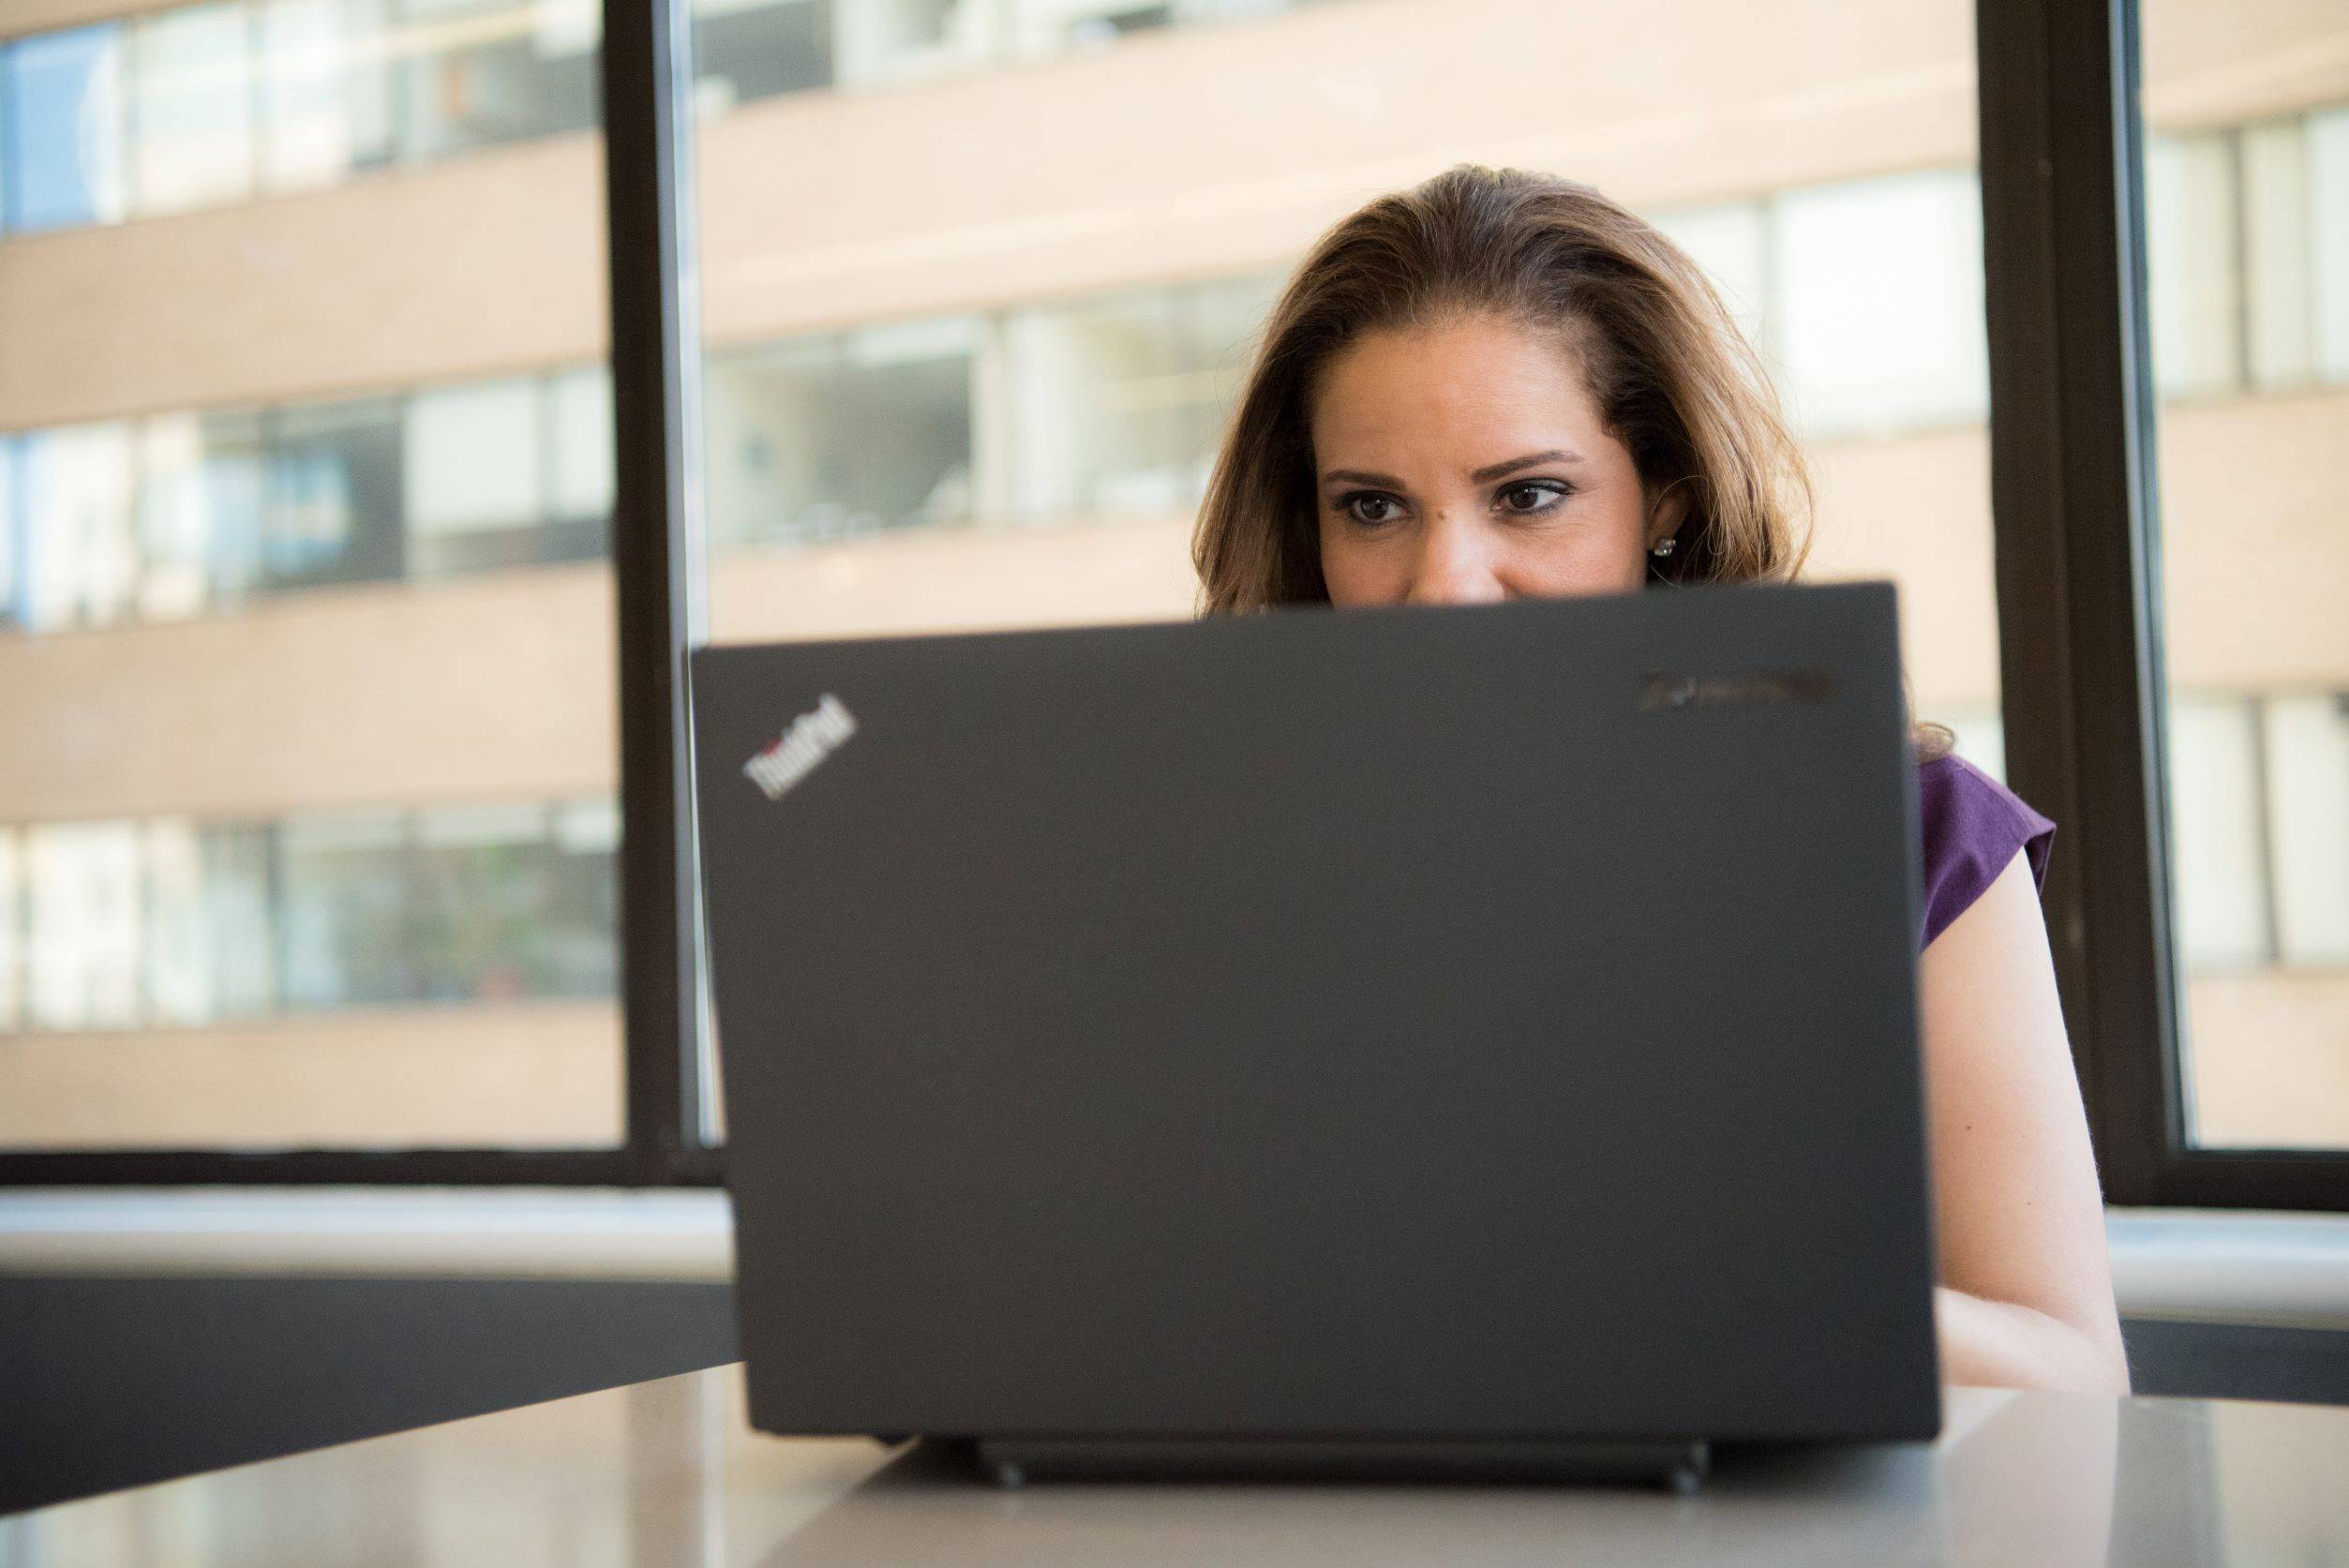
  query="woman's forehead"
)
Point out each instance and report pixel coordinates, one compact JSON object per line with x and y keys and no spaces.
{"x":1507,"y":390}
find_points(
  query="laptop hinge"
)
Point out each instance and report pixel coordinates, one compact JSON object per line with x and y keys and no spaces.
{"x":1679,"y":1465}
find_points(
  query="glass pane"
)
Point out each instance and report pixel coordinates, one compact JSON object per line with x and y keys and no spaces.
{"x":304,"y":610}
{"x":12,"y":534}
{"x":336,"y":477}
{"x":201,"y":494}
{"x":480,"y":73}
{"x":2247,"y":246}
{"x":11,"y":933}
{"x":326,"y":101}
{"x":191,"y":108}
{"x":81,"y":563}
{"x":83,"y":951}
{"x":977,"y":375}
{"x":473,"y":459}
{"x":63,"y":135}
{"x":745,"y":49}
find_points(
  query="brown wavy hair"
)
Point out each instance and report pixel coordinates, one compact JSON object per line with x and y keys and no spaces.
{"x":1670,"y":373}
{"x":1673,"y":377}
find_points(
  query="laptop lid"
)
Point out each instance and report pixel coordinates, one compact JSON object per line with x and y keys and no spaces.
{"x":1455,"y":1023}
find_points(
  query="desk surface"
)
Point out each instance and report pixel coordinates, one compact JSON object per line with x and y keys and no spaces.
{"x":666,"y":1473}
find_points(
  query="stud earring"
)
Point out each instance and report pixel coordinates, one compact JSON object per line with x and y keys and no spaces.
{"x":1665,"y":547}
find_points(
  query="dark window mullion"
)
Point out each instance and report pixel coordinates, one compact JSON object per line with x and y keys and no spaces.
{"x":656,"y":334}
{"x":2077,"y":559}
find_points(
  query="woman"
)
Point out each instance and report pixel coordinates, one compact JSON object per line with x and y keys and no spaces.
{"x":1503,"y":385}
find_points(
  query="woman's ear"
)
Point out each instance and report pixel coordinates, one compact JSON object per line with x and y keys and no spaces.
{"x":1666,"y":512}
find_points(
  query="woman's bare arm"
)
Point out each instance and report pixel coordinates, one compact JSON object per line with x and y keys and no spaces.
{"x":2026,"y":1296}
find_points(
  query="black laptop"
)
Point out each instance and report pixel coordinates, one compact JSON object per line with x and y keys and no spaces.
{"x":1423,"y":1040}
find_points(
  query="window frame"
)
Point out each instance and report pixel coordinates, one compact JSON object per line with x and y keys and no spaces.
{"x":2074,"y":504}
{"x":2075,"y":516}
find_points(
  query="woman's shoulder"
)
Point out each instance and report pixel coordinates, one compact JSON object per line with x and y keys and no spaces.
{"x":1972,"y":827}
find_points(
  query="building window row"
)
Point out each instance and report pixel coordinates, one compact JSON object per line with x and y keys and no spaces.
{"x":183,"y":513}
{"x":172,"y":923}
{"x":1101,"y":407}
{"x":169,"y":922}
{"x":220,"y":102}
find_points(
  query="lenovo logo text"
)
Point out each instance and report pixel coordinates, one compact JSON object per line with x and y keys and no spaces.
{"x":811,"y":739}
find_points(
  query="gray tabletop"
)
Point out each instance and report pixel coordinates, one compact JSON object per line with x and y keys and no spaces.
{"x":666,"y":1473}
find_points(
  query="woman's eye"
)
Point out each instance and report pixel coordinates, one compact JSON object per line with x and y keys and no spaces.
{"x":1371,"y":509}
{"x":1538,"y":495}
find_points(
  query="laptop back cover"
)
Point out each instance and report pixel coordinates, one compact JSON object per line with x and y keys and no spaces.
{"x":1422,"y":1023}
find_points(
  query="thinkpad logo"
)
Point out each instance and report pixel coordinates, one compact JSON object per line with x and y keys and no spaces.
{"x":811,"y":739}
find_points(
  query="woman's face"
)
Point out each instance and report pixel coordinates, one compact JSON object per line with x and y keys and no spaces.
{"x":1466,"y":463}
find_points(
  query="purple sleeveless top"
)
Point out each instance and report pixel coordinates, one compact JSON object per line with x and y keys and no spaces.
{"x":1972,"y":827}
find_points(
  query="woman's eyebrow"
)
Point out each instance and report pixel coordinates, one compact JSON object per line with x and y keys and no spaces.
{"x":1556,"y":455}
{"x":1357,"y":476}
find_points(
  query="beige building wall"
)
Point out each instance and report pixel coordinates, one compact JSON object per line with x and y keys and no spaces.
{"x":825,"y":208}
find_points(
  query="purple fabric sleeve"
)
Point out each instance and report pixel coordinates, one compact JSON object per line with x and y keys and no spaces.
{"x":1972,"y":827}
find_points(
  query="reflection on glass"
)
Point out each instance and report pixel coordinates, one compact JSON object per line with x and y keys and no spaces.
{"x":63,"y":135}
{"x":473,"y":464}
{"x":192,"y":133}
{"x":1731,"y":242}
{"x":2219,"y":868}
{"x":481,"y":73}
{"x":2306,"y":738}
{"x":172,"y":922}
{"x":335,"y":490}
{"x":1120,"y":401}
{"x":746,"y":50}
{"x":579,"y":497}
{"x":326,"y":100}
{"x":12,"y":533}
{"x":2246,"y":255}
{"x":201,"y":484}
{"x":478,"y":901}
{"x":1880,"y":311}
{"x":883,"y":40}
{"x":80,"y":561}
{"x":207,"y":937}
{"x":342,"y":928}
{"x":11,"y":931}
{"x":832,"y":437}
{"x":82,"y":883}
{"x":578,"y":955}
{"x":2191,"y":238}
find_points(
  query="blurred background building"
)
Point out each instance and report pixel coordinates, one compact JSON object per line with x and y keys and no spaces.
{"x":306,"y":736}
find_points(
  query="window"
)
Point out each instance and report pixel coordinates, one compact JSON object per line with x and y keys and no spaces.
{"x":747,"y":50}
{"x":82,"y":564}
{"x":579,"y":416}
{"x":11,"y":931}
{"x":2246,"y":225}
{"x":1116,"y":404}
{"x":63,"y":135}
{"x":82,"y":954}
{"x":203,"y":487}
{"x":978,"y":279}
{"x":473,"y":455}
{"x":327,"y":99}
{"x":11,"y":533}
{"x":2307,"y":742}
{"x":828,"y":438}
{"x":1879,"y":328}
{"x":193,"y":141}
{"x":481,"y":73}
{"x":336,"y":494}
{"x":305,"y":629}
{"x":209,"y":954}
